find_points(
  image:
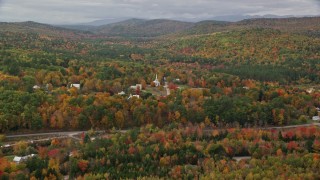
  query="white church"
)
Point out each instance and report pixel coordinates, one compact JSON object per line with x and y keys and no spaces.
{"x":156,"y":81}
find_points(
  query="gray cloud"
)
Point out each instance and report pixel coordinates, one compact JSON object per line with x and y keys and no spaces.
{"x":76,"y":11}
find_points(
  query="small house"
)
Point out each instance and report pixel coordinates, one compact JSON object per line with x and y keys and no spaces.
{"x":17,"y":159}
{"x":310,"y":90}
{"x":35,"y":87}
{"x":121,"y":93}
{"x":78,"y":86}
{"x":136,"y":87}
{"x":131,"y":96}
{"x":239,"y":158}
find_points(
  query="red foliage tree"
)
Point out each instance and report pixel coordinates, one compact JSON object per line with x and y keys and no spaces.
{"x":53,"y":153}
{"x":292,"y":145}
{"x":173,"y":86}
{"x":83,"y":165}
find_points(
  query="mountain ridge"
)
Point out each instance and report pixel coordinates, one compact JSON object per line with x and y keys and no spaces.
{"x":162,"y":27}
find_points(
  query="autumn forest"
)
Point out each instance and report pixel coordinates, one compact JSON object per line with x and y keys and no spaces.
{"x":162,"y":100}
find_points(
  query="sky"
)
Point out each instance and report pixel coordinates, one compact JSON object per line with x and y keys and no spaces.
{"x":80,"y":11}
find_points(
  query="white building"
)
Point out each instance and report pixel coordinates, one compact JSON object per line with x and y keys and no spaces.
{"x":316,"y":118}
{"x":136,"y":87}
{"x":36,"y":87}
{"x":310,"y":90}
{"x":78,"y":86}
{"x":121,"y":93}
{"x":131,"y":96}
{"x":18,"y":159}
{"x":156,"y":81}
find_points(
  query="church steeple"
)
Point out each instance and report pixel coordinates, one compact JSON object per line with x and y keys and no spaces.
{"x":156,"y":81}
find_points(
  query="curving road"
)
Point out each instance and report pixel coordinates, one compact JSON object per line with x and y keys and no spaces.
{"x":74,"y":133}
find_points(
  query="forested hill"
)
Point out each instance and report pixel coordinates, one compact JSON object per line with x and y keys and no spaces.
{"x":307,"y":26}
{"x":251,"y":46}
{"x":41,"y":29}
{"x":144,"y":28}
{"x":38,"y":65}
{"x":261,"y":54}
{"x":151,"y":28}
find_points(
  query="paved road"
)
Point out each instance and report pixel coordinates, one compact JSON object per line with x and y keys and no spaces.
{"x":66,"y":133}
{"x":292,"y":126}
{"x":48,"y":136}
{"x":53,"y":135}
{"x":276,"y":127}
{"x":73,"y":133}
{"x":38,"y":140}
{"x":57,"y":134}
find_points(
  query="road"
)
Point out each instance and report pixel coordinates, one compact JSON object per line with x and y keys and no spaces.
{"x":66,"y":133}
{"x":74,"y":133}
{"x":292,"y":126}
{"x":276,"y":127}
{"x":48,"y":136}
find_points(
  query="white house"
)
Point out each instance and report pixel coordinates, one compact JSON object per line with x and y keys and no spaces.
{"x":121,"y":93}
{"x":17,"y":159}
{"x":131,"y":96}
{"x":316,"y":118}
{"x":28,"y":156}
{"x":78,"y":86}
{"x":136,"y":87}
{"x":310,"y":90}
{"x":6,"y":145}
{"x":36,"y":87}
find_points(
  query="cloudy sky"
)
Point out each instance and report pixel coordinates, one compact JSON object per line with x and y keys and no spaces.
{"x":78,"y":11}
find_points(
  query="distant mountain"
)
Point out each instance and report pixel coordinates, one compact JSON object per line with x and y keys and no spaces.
{"x":91,"y":26}
{"x":44,"y":29}
{"x":158,"y":27}
{"x":236,"y":18}
{"x":127,"y":22}
{"x":144,"y":28}
{"x":87,"y":28}
{"x":104,"y":22}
